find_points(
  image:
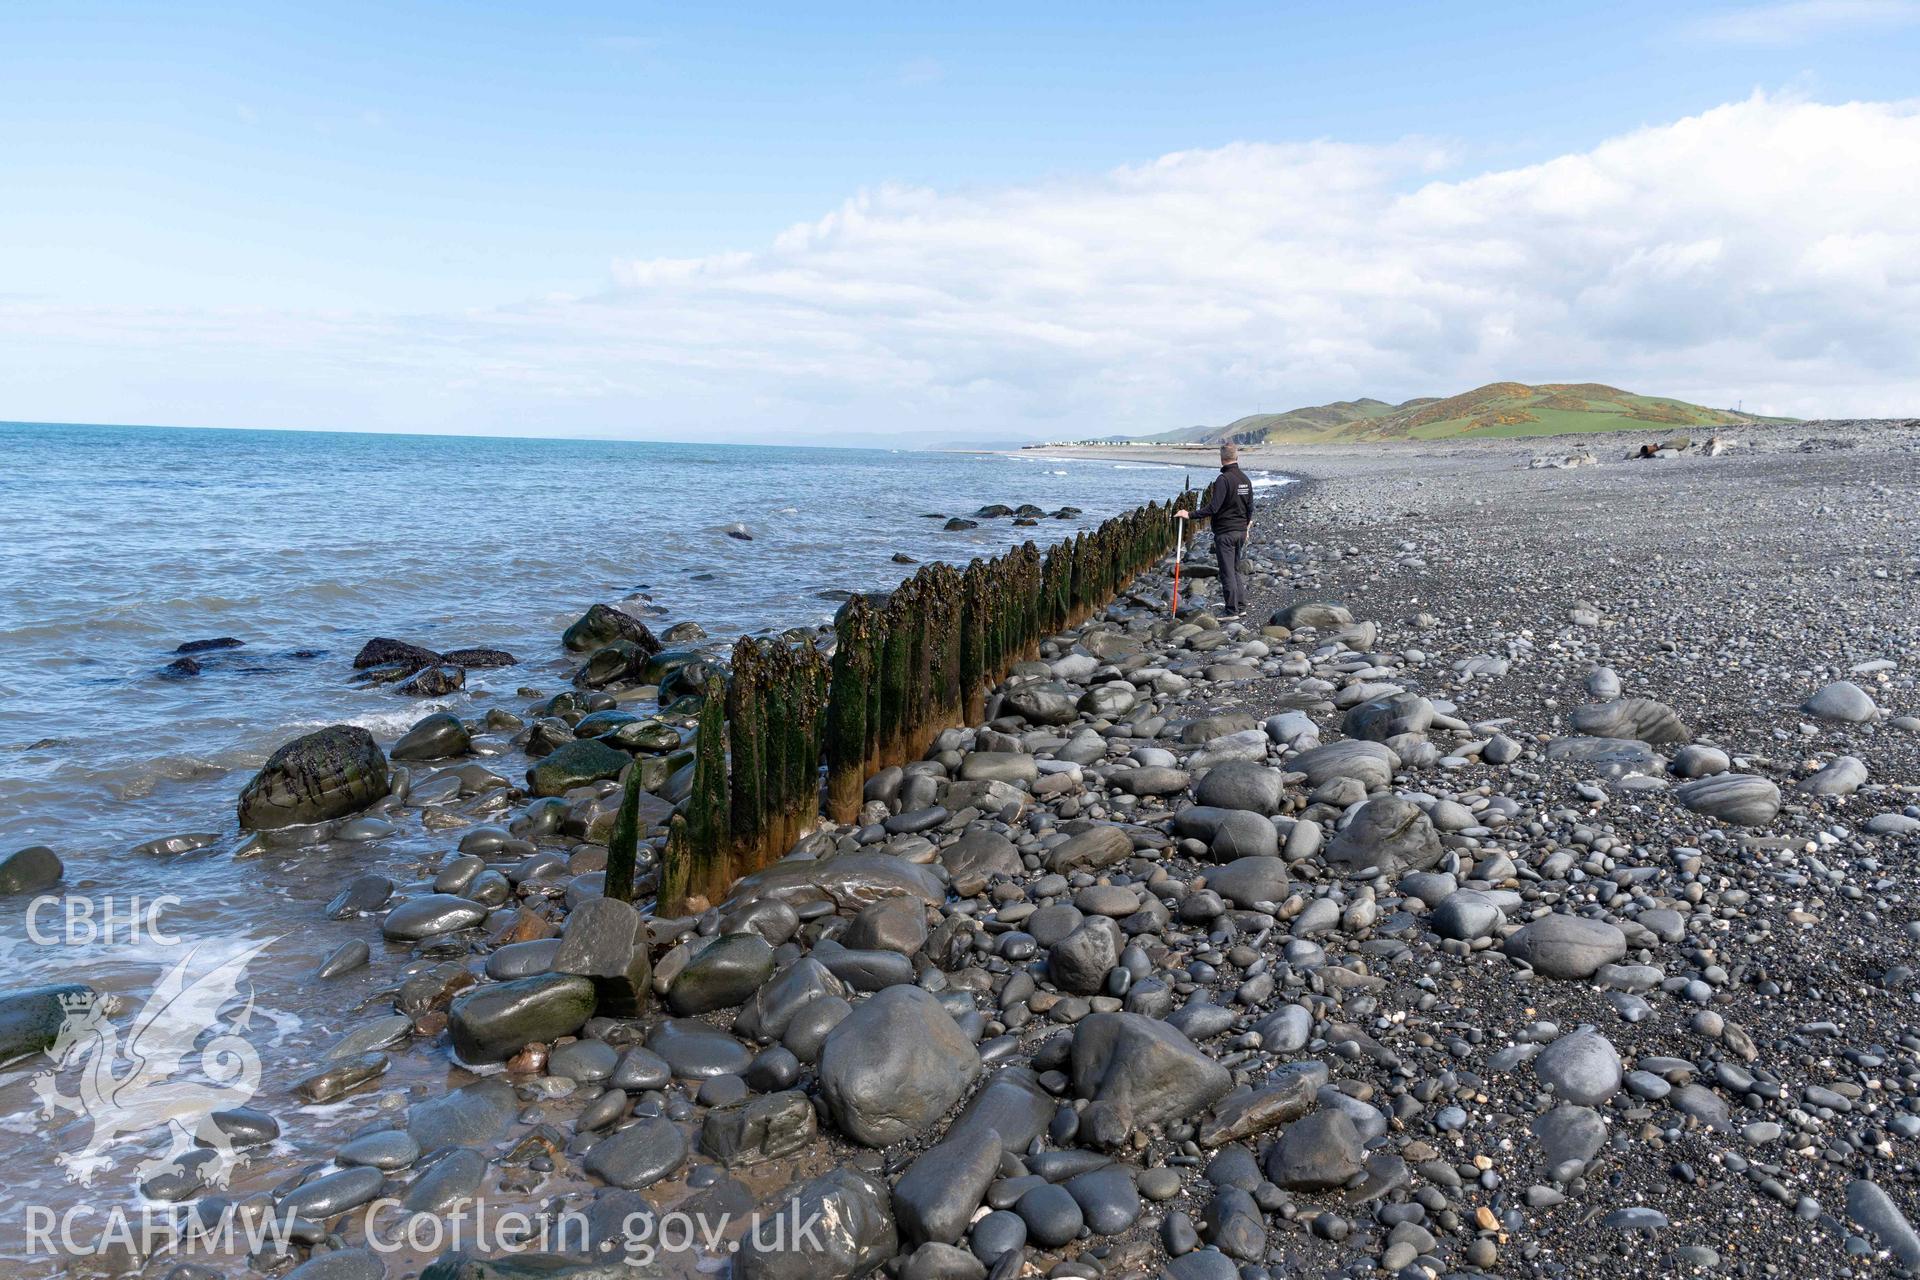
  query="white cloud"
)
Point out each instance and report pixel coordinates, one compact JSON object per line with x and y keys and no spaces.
{"x":1765,"y":251}
{"x":1792,"y":22}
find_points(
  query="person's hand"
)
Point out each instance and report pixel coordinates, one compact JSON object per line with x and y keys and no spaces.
{"x":1180,"y":515}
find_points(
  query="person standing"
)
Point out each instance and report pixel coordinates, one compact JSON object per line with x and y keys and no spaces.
{"x":1229,"y":504}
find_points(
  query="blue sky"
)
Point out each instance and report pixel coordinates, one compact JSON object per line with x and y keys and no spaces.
{"x":449,"y":217}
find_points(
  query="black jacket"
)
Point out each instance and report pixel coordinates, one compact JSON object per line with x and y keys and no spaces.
{"x":1229,"y":501}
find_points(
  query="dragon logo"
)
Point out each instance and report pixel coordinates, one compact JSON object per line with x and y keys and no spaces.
{"x":148,"y":1084}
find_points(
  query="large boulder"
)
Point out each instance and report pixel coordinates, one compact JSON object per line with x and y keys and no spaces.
{"x":895,"y":1066}
{"x":1390,"y":835}
{"x":1144,"y":1066}
{"x":323,"y":775}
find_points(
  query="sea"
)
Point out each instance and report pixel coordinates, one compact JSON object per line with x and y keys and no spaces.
{"x":124,"y":543}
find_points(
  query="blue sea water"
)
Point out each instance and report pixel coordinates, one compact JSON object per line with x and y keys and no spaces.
{"x":122,"y":543}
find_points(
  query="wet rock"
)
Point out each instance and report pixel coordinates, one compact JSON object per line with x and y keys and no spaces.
{"x":448,"y":1181}
{"x":479,"y":658}
{"x":638,"y":1156}
{"x":1567,"y":946}
{"x":332,"y":1195}
{"x":435,"y":738}
{"x":431,"y":915}
{"x":772,"y":1009}
{"x":30,"y":870}
{"x":895,"y":1066}
{"x":606,"y":940}
{"x":492,"y":1022}
{"x":384,"y":652}
{"x":209,"y":646}
{"x":362,"y":896}
{"x":475,"y":1115}
{"x":31,"y":1017}
{"x":855,"y":1232}
{"x":760,"y":1130}
{"x":602,"y":624}
{"x":1390,"y":834}
{"x":849,"y":882}
{"x":575,"y":764}
{"x":327,"y":774}
{"x":723,"y":974}
{"x":695,"y":1051}
{"x":341,"y":1077}
{"x":434,"y":682}
{"x":341,"y":1264}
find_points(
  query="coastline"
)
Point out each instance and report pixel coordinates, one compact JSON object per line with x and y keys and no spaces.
{"x":1477,"y":584}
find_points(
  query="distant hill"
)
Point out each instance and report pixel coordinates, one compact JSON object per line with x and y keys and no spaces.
{"x":1497,"y":409}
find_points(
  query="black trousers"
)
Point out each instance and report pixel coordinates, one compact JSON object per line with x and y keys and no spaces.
{"x":1226,"y":550}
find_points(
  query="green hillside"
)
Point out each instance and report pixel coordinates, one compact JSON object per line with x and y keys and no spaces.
{"x":1510,"y":409}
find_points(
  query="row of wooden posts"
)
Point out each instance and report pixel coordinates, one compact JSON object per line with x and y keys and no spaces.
{"x":903,"y":669}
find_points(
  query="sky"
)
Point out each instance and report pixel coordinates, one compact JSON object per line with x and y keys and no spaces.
{"x":938,"y":224}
